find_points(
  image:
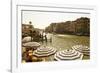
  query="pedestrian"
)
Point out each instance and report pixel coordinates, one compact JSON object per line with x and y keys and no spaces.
{"x":45,"y":37}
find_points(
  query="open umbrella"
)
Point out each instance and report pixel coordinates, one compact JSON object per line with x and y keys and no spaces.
{"x":44,"y":51}
{"x":33,"y":45}
{"x":83,"y":49}
{"x":26,"y":39}
{"x":69,"y":54}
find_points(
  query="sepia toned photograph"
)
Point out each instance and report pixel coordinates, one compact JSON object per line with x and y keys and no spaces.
{"x":54,"y":36}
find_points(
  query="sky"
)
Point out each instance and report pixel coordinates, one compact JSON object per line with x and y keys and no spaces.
{"x":44,"y":19}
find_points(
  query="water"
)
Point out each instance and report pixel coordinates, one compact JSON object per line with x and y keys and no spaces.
{"x":62,"y":42}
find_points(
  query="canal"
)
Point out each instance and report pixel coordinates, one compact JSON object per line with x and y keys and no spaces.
{"x":62,"y":42}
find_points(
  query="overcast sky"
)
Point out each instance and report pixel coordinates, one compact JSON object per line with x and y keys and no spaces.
{"x":43,"y":19}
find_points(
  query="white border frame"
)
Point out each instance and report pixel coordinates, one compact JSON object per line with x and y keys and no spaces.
{"x":17,"y":66}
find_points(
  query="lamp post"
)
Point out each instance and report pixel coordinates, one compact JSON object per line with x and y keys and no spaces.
{"x":31,"y":30}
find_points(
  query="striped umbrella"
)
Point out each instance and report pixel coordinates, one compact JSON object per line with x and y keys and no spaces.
{"x":44,"y":51}
{"x":34,"y":45}
{"x":83,"y":49}
{"x":70,"y":54}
